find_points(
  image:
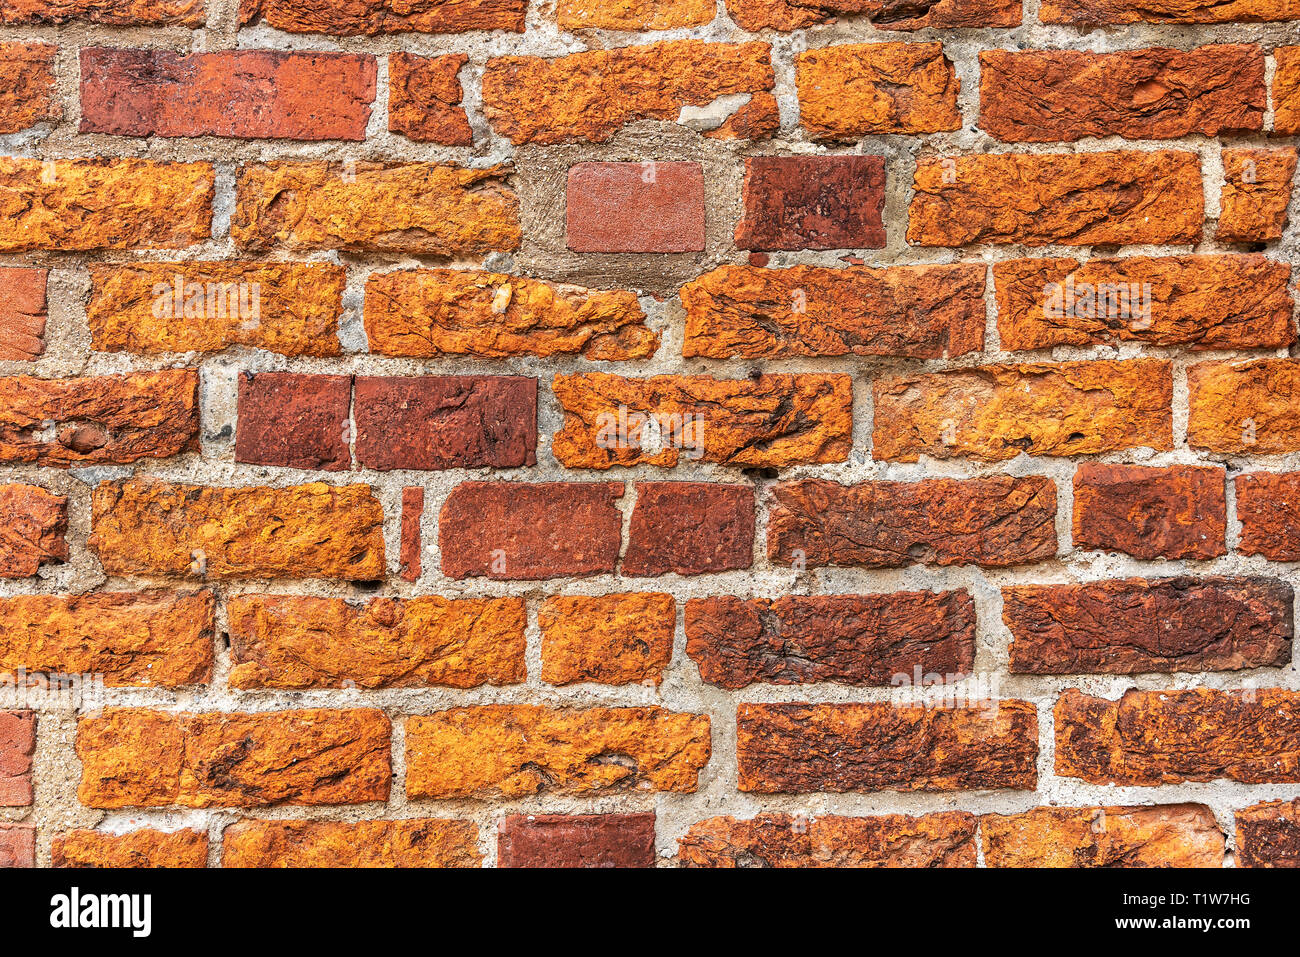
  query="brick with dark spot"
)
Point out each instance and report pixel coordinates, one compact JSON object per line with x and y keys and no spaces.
{"x":850,"y":639}
{"x":570,"y":841}
{"x":645,"y":207}
{"x":446,"y":422}
{"x":1175,"y":512}
{"x":690,"y":528}
{"x":813,"y":202}
{"x":294,"y":421}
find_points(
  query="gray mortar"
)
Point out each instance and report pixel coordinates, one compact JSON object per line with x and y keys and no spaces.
{"x":540,"y":182}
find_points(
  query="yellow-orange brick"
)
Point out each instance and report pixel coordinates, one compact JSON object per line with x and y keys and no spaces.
{"x":406,"y":843}
{"x":144,"y":848}
{"x":608,"y":639}
{"x":633,"y":14}
{"x":1245,"y":407}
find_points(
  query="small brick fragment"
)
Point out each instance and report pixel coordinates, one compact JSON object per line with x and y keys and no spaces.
{"x":424,"y":99}
{"x":1166,"y":835}
{"x":429,"y":842}
{"x":579,"y":840}
{"x":1175,"y":512}
{"x":690,"y":528}
{"x":609,"y":639}
{"x":143,"y":848}
{"x":649,"y":207}
{"x":27,"y":85}
{"x":294,"y":421}
{"x":17,"y":745}
{"x":1256,"y":192}
{"x":33,"y":523}
{"x":22,"y":314}
{"x":412,"y":548}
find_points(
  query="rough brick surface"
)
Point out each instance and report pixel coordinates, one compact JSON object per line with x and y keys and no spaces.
{"x":143,"y":848}
{"x":848,"y":639}
{"x":295,"y":421}
{"x":22,"y":314}
{"x":813,"y":202}
{"x":33,"y":526}
{"x":190,"y":13}
{"x":635,"y":208}
{"x":407,"y":843}
{"x":1256,"y":193}
{"x":17,"y":745}
{"x":690,"y":528}
{"x":801,"y":748}
{"x":17,"y":845}
{"x":610,"y":639}
{"x":27,"y":85}
{"x":1176,"y":835}
{"x":794,"y":14}
{"x":412,"y":547}
{"x":515,"y":750}
{"x":1286,"y":91}
{"x":369,"y":17}
{"x":252,"y":94}
{"x":424,"y":96}
{"x":992,"y":522}
{"x":633,"y":14}
{"x":1266,"y":509}
{"x":1135,"y":626}
{"x":1175,"y":512}
{"x":946,"y":839}
{"x":1163,"y":11}
{"x":1243,"y":407}
{"x":133,"y":757}
{"x":587,"y":840}
{"x":1268,"y":835}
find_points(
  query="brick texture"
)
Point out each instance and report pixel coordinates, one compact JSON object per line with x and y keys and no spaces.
{"x":143,"y":848}
{"x":17,"y":745}
{"x":27,"y":81}
{"x":407,"y":844}
{"x":589,"y":840}
{"x":22,"y":313}
{"x":33,"y":532}
{"x":1176,"y":512}
{"x":635,"y":208}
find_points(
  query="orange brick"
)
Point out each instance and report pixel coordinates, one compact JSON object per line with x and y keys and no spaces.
{"x":372,"y":844}
{"x":190,"y":13}
{"x":22,"y":313}
{"x":33,"y":523}
{"x":143,"y":848}
{"x":633,"y":14}
{"x":1170,"y":835}
{"x":347,"y":18}
{"x":27,"y":94}
{"x":795,"y":14}
{"x":611,"y":639}
{"x":424,"y":95}
{"x":1244,"y":407}
{"x":1286,"y":90}
{"x":1165,"y":11}
{"x":1256,"y":193}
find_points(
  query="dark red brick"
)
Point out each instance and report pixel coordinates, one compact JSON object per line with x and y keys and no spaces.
{"x":1176,"y":512}
{"x":1268,"y":507}
{"x":412,"y":515}
{"x":22,"y":313}
{"x":33,"y":529}
{"x":256,"y":94}
{"x":636,"y":208}
{"x":528,"y":532}
{"x":17,"y":745}
{"x":446,"y":422}
{"x":587,"y":840}
{"x":294,"y":421}
{"x":17,"y":845}
{"x":690,"y":528}
{"x":850,"y":639}
{"x":1268,"y":835}
{"x":813,"y":202}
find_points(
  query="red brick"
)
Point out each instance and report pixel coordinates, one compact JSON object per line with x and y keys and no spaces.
{"x":519,"y":531}
{"x":446,"y":422}
{"x":588,"y":840}
{"x":22,"y":313}
{"x":17,"y":745}
{"x":424,"y":96}
{"x":1255,"y":195}
{"x":27,"y":93}
{"x":1176,"y":512}
{"x":849,"y":639}
{"x":348,"y":18}
{"x":17,"y":845}
{"x":1268,"y":835}
{"x":33,"y":523}
{"x":1267,"y":507}
{"x":412,"y":544}
{"x":252,"y":94}
{"x":813,"y":202}
{"x":690,"y":528}
{"x":802,"y":748}
{"x":992,"y":522}
{"x":1134,"y":626}
{"x":295,"y":421}
{"x":646,"y":207}
{"x":127,"y":13}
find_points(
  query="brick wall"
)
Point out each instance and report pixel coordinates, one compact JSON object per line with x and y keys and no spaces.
{"x":496,"y":432}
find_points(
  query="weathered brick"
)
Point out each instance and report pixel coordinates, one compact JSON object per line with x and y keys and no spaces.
{"x":1206,"y":302}
{"x":17,"y":845}
{"x":252,"y":94}
{"x":647,"y":207}
{"x":133,"y":757}
{"x":795,"y":14}
{"x":849,"y":639}
{"x":1245,"y":407}
{"x":73,"y":205}
{"x":813,"y":202}
{"x":419,"y":208}
{"x":446,"y":422}
{"x":758,"y":119}
{"x":1135,"y":625}
{"x":1165,"y":11}
{"x":152,"y":308}
{"x":150,"y":527}
{"x":293,"y":420}
{"x":609,"y":639}
{"x":424,"y":97}
{"x":922,"y":312}
{"x":1270,"y":521}
{"x":946,"y":839}
{"x":107,"y":419}
{"x":518,"y":531}
{"x":1046,"y":96}
{"x":773,"y":421}
{"x":1148,"y":738}
{"x":27,"y":94}
{"x":856,"y":90}
{"x":993,"y":522}
{"x":422,"y":842}
{"x":17,"y":745}
{"x":436,"y":312}
{"x":579,"y":840}
{"x":291,"y":641}
{"x":33,"y":523}
{"x":1077,"y":199}
{"x":157,"y":638}
{"x":143,"y":848}
{"x":690,"y":528}
{"x":412,"y":548}
{"x":1268,"y":835}
{"x":1256,"y":192}
{"x":993,"y":413}
{"x":593,"y":94}
{"x":1175,"y":512}
{"x":127,"y":13}
{"x":22,"y":313}
{"x":1286,"y":90}
{"x":801,"y":748}
{"x":514,"y":750}
{"x":633,"y":14}
{"x":1166,"y":835}
{"x":348,"y":18}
